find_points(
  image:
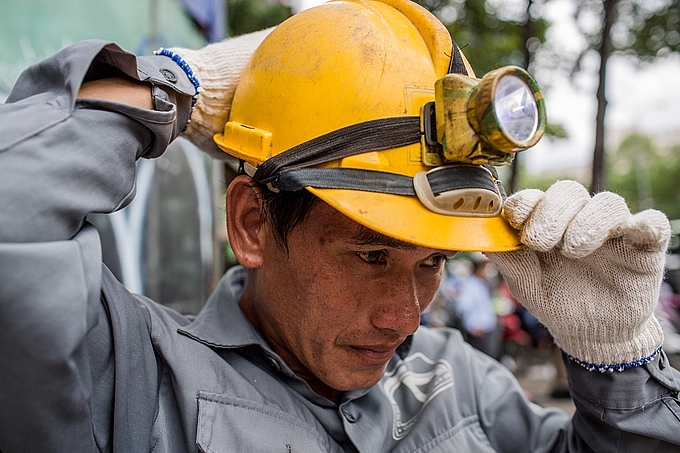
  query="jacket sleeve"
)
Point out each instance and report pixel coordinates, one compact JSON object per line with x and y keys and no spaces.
{"x":626,"y":411}
{"x":61,"y":159}
{"x":630,"y":411}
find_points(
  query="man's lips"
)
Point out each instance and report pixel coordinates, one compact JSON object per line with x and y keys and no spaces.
{"x":378,"y":354}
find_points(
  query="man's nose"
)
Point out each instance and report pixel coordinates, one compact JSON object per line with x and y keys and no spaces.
{"x":398,"y":307}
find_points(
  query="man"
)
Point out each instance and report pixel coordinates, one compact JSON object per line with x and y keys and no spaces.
{"x":313,"y":344}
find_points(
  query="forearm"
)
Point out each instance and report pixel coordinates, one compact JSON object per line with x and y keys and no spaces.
{"x":65,"y":155}
{"x":630,"y":411}
{"x":124,"y":90}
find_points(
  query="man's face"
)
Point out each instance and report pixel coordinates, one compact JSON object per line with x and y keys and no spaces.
{"x":343,"y":298}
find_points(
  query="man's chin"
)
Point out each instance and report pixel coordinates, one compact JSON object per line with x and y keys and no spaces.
{"x":357,"y":380}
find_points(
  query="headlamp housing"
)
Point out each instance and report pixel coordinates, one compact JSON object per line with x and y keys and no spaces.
{"x":483,"y":121}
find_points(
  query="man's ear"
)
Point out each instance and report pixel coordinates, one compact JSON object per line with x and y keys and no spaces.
{"x":245,"y":224}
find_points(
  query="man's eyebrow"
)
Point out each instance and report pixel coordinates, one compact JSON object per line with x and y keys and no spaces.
{"x":366,"y":236}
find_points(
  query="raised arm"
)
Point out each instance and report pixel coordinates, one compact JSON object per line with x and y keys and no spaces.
{"x":590,"y":271}
{"x":70,"y":133}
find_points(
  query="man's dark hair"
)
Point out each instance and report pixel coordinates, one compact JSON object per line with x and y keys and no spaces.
{"x":285,"y":210}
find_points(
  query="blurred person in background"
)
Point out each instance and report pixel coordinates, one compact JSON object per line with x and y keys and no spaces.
{"x":474,"y":307}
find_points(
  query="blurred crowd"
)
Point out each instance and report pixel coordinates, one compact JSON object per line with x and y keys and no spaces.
{"x":668,"y":314}
{"x":474,"y":298}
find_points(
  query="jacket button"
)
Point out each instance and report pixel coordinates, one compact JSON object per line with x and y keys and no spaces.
{"x":168,"y":75}
{"x":274,"y":363}
{"x":349,"y":417}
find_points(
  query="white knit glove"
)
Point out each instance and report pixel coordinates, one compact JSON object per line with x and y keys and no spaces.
{"x":590,"y":271}
{"x":218,"y":68}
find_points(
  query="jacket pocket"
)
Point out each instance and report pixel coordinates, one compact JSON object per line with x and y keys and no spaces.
{"x":467,"y":435}
{"x":228,"y":425}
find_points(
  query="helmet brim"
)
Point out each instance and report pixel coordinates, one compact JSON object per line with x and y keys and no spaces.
{"x":405,"y":218}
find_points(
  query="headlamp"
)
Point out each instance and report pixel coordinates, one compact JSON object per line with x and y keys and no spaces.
{"x":483,"y":121}
{"x":472,"y":123}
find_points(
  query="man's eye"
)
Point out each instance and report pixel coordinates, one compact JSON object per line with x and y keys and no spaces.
{"x":435,"y":261}
{"x":373,"y":257}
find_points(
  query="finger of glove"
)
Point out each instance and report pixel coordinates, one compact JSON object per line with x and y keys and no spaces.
{"x":600,"y":219}
{"x":551,"y":217}
{"x":518,"y":207}
{"x":648,"y":230}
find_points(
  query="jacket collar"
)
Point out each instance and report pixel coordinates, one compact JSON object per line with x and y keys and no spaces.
{"x":221,"y":323}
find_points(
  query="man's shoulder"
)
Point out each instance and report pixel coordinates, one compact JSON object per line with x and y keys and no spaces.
{"x":123,"y":305}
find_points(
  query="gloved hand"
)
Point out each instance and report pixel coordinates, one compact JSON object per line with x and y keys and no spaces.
{"x":218,"y":68}
{"x":590,"y":271}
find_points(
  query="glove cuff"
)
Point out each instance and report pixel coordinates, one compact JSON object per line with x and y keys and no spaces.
{"x":598,"y":350}
{"x":218,"y":68}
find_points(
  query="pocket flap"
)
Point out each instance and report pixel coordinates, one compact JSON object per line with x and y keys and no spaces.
{"x":227,"y":424}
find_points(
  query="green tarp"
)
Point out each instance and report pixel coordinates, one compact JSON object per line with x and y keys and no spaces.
{"x":33,"y":29}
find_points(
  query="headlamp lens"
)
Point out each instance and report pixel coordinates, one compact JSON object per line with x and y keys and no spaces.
{"x":516,"y":108}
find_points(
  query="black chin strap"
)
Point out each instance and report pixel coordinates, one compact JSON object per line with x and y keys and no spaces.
{"x":290,"y":170}
{"x":448,"y":178}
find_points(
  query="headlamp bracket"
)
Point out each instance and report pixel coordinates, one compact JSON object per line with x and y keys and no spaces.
{"x":470,"y":116}
{"x":479,"y":195}
{"x":432,"y":150}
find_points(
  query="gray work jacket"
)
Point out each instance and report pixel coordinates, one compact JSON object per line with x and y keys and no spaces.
{"x":86,"y":366}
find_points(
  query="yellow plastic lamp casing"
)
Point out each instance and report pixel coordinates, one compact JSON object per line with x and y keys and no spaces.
{"x":343,"y":63}
{"x":467,"y":118}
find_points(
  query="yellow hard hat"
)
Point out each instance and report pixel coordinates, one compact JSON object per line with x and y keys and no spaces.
{"x":333,"y":100}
